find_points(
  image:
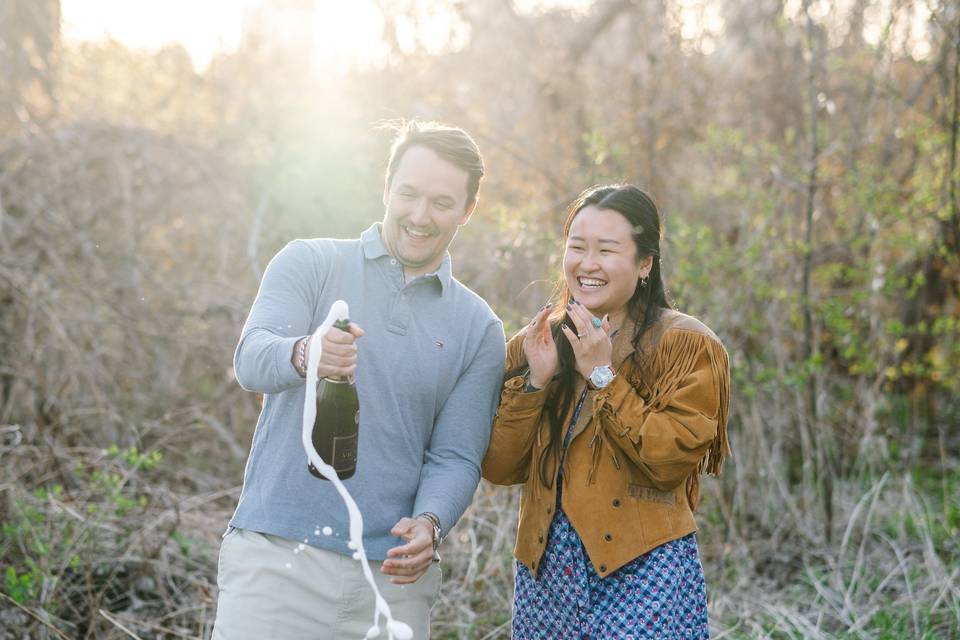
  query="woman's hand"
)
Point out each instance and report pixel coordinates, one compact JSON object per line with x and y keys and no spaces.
{"x":540,"y":349}
{"x":592,"y":346}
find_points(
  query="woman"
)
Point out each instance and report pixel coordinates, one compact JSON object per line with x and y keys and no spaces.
{"x":613,"y":404}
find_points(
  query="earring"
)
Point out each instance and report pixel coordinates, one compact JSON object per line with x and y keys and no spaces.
{"x":643,"y":281}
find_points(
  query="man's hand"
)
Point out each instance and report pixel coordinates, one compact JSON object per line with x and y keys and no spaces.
{"x":408,"y":562}
{"x":338,"y":358}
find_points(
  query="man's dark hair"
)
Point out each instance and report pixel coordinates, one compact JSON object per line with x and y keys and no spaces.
{"x":450,"y":143}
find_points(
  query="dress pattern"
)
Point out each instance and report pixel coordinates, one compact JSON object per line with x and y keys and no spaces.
{"x":660,"y":594}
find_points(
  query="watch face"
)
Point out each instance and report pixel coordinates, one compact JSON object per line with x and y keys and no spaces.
{"x":601,"y":377}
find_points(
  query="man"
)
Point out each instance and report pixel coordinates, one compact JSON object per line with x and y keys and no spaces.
{"x":428,"y":369}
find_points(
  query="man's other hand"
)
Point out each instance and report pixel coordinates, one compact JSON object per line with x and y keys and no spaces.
{"x":408,"y":562}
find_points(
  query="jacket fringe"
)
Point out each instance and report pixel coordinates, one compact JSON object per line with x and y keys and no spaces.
{"x":676,"y":356}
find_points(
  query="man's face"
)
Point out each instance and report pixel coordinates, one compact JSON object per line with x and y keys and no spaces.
{"x":426,"y":203}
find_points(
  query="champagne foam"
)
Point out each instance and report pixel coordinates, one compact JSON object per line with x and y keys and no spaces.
{"x":396,"y":630}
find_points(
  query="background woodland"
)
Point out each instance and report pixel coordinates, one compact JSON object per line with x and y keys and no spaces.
{"x":804,"y":155}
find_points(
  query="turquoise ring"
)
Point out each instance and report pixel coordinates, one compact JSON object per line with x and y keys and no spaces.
{"x":597,"y":322}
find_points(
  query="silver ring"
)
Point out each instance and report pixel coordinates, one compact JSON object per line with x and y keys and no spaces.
{"x":580,"y":335}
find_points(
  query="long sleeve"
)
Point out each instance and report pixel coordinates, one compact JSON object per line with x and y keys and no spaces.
{"x":451,"y":469}
{"x":514,"y":426}
{"x":281,"y":314}
{"x":681,"y":427}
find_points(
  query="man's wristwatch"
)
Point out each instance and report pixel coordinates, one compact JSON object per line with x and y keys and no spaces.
{"x":437,"y":532}
{"x":602,"y":376}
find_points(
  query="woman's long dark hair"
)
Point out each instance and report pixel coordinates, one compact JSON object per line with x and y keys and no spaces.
{"x":644,"y":307}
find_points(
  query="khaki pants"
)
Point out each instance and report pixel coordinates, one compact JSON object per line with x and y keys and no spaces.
{"x":268,"y":592}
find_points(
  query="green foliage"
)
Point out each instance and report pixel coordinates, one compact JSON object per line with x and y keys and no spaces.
{"x":23,"y":587}
{"x":29,"y":526}
{"x":135,"y":459}
{"x":183,"y":542}
{"x":46,"y":539}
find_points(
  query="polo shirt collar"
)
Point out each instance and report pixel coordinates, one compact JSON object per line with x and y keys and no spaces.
{"x":373,"y":248}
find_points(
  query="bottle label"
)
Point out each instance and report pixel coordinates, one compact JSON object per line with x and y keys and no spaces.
{"x":344,"y":452}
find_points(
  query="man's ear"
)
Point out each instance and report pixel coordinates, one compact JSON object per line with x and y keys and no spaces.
{"x":468,"y":211}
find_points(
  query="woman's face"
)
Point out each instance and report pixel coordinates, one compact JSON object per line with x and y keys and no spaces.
{"x":600,"y":262}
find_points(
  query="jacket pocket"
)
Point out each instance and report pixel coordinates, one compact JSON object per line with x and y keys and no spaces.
{"x":651,"y":494}
{"x":655,"y":510}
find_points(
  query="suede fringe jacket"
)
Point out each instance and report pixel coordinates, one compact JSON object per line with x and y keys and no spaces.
{"x":631,"y":471}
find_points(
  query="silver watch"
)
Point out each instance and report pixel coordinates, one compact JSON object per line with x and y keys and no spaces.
{"x":602,"y":376}
{"x":437,"y":532}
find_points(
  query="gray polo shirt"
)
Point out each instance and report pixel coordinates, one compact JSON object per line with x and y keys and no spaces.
{"x":428,"y":377}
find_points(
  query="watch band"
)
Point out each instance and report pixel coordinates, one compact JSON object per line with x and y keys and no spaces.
{"x":437,"y":532}
{"x":529,"y":388}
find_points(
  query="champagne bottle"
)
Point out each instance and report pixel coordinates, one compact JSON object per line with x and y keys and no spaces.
{"x":337,"y":425}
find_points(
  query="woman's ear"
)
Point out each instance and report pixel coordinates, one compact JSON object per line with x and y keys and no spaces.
{"x":646,"y":265}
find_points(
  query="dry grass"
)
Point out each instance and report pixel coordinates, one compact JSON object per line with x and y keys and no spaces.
{"x":892,"y":573}
{"x":115,"y":553}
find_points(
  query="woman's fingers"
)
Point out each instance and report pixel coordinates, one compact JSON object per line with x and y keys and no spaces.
{"x":588,"y":318}
{"x":591,"y":343}
{"x":543,"y":327}
{"x":590,"y":321}
{"x":540,"y":317}
{"x":540,"y":325}
{"x":571,"y":338}
{"x":576,"y":313}
{"x":540,"y":349}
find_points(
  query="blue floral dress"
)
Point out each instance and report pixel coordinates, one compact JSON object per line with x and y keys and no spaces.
{"x":660,"y":594}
